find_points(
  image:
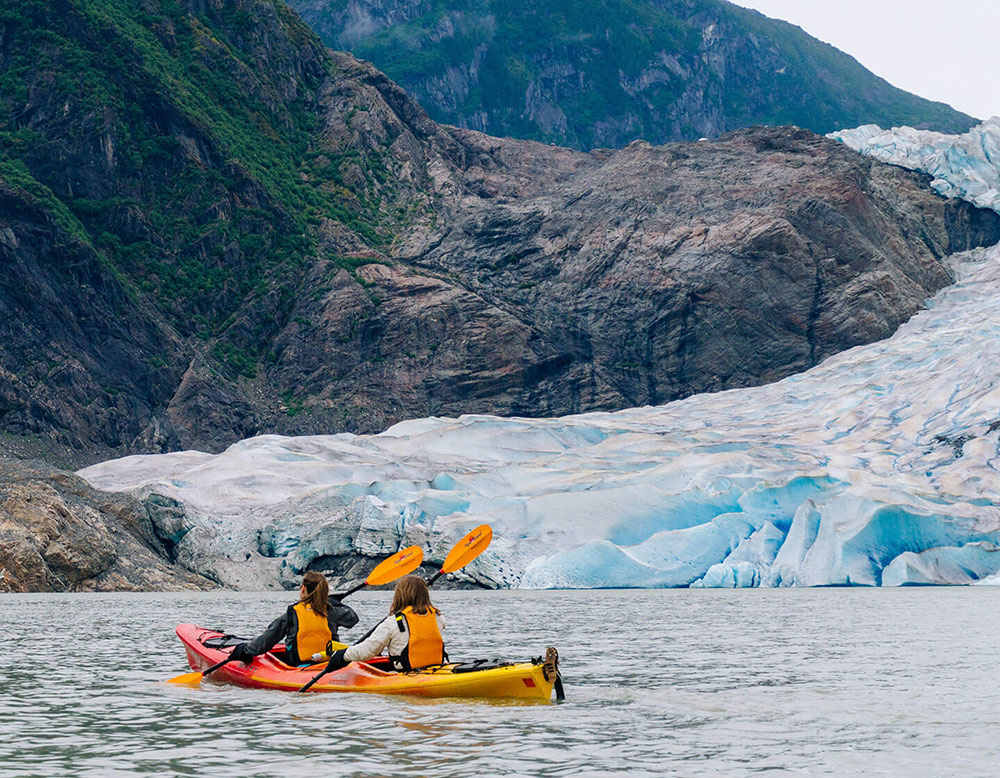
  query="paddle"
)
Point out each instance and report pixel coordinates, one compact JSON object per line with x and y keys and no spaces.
{"x":388,"y":570}
{"x":467,"y":549}
{"x":193,"y":679}
{"x":399,"y":564}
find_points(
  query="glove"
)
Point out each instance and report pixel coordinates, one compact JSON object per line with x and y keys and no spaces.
{"x":241,"y":653}
{"x":337,"y":660}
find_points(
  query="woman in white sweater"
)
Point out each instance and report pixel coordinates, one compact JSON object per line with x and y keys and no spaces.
{"x":411,"y":632}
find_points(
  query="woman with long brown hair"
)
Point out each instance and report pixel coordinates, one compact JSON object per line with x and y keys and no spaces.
{"x":307,"y":627}
{"x":411,"y":632}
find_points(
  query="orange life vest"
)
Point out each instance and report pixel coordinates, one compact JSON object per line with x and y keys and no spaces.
{"x":426,"y":646}
{"x":313,"y":635}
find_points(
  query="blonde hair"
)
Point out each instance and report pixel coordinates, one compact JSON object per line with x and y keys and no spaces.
{"x":317,"y":595}
{"x":411,"y":592}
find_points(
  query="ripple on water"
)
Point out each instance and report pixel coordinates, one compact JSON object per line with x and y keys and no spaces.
{"x":814,"y":682}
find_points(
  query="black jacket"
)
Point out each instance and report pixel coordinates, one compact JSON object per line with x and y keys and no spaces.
{"x":286,"y":627}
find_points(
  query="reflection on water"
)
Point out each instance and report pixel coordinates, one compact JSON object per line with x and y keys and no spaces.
{"x":806,"y":682}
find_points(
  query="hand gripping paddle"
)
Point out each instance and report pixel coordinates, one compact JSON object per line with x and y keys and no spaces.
{"x":387,"y":571}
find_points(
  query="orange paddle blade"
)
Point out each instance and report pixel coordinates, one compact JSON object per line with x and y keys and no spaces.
{"x":468,"y":548}
{"x":396,"y":566}
{"x":188,"y":679}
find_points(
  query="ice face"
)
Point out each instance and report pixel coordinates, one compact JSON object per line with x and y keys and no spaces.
{"x":877,"y":467}
{"x":966,"y":166}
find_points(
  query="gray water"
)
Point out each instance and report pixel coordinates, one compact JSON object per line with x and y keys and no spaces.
{"x":703,"y":683}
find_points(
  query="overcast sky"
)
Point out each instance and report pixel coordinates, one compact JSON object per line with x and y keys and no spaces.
{"x":943,"y":50}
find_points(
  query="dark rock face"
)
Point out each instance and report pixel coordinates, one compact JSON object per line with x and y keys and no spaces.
{"x":610,"y":280}
{"x":654,"y":273}
{"x":593,"y":73}
{"x":59,"y":534}
{"x":160,"y":292}
{"x":75,"y":346}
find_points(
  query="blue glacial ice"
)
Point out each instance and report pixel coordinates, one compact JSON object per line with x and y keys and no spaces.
{"x":877,"y":467}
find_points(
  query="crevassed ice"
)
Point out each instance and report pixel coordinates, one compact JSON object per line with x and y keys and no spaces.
{"x":877,"y":467}
{"x":966,"y":166}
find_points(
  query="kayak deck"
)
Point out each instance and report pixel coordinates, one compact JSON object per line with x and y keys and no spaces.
{"x":523,"y":680}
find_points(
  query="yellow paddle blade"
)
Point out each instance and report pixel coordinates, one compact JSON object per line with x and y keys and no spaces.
{"x":468,"y":548}
{"x":188,"y":679}
{"x":396,"y":566}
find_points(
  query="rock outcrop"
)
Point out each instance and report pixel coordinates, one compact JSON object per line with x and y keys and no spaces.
{"x":188,"y":262}
{"x":58,"y":534}
{"x":653,"y":273}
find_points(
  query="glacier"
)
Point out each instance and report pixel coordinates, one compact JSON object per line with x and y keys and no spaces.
{"x":878,"y":467}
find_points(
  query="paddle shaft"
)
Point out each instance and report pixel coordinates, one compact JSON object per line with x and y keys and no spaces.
{"x":217,"y":665}
{"x":349,"y":592}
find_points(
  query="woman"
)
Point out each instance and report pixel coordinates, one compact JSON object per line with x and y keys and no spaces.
{"x":307,"y":627}
{"x":411,"y":632}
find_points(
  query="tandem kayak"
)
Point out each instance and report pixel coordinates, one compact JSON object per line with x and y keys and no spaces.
{"x":524,"y":680}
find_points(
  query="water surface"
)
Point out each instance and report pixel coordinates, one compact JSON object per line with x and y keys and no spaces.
{"x":716,"y":683}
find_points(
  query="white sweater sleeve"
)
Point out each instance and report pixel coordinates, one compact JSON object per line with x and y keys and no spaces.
{"x":374,"y":644}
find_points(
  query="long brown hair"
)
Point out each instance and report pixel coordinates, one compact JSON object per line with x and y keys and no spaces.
{"x":411,"y":592}
{"x":317,"y":594}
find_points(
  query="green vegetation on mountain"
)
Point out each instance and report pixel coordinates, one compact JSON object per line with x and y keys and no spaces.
{"x":170,"y":179}
{"x":200,"y":181}
{"x":589,"y":73}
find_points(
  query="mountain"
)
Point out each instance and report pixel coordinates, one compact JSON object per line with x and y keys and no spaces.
{"x":601,"y":73}
{"x":213,"y":227}
{"x":163,"y":195}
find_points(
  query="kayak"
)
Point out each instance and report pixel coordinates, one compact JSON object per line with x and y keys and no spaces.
{"x":523,"y":680}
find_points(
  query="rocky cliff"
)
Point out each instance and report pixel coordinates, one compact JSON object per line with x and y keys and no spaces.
{"x":590,"y":73}
{"x":212,"y":227}
{"x":57,"y":533}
